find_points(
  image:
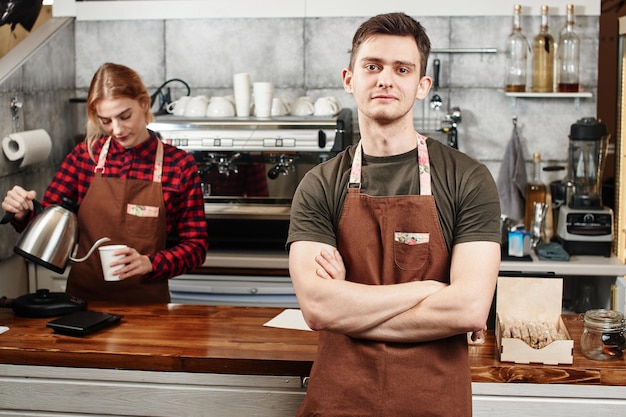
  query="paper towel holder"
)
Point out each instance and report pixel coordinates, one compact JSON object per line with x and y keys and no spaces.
{"x":16,"y":105}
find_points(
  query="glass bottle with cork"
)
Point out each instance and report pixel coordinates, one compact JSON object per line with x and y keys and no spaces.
{"x":516,"y":55}
{"x":543,"y":56}
{"x":535,"y":192}
{"x":568,"y":56}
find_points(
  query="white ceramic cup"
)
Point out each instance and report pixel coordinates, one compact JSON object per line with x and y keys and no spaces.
{"x":263,"y":95}
{"x":280,"y":107}
{"x":302,"y":106}
{"x":326,"y":106}
{"x":196,"y":106}
{"x":241,"y":87}
{"x":177,"y":107}
{"x":106,"y":257}
{"x":220,"y":107}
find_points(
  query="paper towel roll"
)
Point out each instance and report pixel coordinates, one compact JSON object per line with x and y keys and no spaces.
{"x":31,"y":146}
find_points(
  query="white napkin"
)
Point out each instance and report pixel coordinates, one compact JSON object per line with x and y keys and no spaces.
{"x":290,"y":318}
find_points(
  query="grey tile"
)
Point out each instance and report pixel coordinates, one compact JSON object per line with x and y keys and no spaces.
{"x":207,"y":52}
{"x":304,"y":57}
{"x":478,"y":70}
{"x":52,"y":66}
{"x":327,"y":50}
{"x":137,"y":44}
{"x":14,"y":82}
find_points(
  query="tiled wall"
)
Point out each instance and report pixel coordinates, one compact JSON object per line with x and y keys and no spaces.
{"x":44,"y":84}
{"x":302,"y":56}
{"x":306,"y":56}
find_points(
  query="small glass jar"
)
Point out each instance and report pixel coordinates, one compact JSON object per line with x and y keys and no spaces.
{"x":603,"y":337}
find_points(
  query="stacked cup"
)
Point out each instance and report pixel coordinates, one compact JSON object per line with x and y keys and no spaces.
{"x":263,"y":95}
{"x":241,"y":85}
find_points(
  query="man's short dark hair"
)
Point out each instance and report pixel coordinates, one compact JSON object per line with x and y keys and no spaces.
{"x":398,"y":24}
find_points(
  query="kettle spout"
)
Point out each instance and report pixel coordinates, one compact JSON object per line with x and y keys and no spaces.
{"x":93,"y":248}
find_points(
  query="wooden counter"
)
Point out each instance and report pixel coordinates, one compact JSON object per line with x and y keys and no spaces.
{"x":218,"y":340}
{"x":174,"y":337}
{"x":222,"y":339}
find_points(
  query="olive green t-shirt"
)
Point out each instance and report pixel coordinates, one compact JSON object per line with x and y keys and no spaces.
{"x":465,"y":193}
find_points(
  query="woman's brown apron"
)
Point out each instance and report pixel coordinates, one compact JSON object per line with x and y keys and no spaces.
{"x":390,"y":240}
{"x":130,"y":212}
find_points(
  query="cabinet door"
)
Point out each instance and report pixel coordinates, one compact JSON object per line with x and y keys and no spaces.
{"x":550,"y":400}
{"x":552,"y":407}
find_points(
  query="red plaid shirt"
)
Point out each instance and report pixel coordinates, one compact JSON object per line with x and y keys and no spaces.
{"x":184,"y":205}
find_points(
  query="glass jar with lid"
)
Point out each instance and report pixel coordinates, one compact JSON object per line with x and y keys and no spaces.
{"x":603,"y":336}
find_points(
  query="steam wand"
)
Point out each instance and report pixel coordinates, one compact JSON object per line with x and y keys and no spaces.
{"x":283,"y":166}
{"x":451,"y":119}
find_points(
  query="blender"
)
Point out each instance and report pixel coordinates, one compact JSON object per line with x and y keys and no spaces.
{"x":585,"y":225}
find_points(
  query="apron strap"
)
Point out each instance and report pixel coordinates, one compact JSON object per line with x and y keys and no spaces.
{"x":355,"y":172}
{"x":158,"y":162}
{"x":103,"y":156}
{"x":423,"y":161}
{"x":422,"y":158}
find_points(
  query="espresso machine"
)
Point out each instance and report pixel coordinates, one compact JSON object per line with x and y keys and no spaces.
{"x":585,"y":225}
{"x":250,"y":168}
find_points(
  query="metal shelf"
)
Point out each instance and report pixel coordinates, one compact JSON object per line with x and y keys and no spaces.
{"x":575,"y":96}
{"x":464,"y":51}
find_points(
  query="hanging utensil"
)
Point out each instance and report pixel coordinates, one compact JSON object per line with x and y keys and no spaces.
{"x":436,"y":102}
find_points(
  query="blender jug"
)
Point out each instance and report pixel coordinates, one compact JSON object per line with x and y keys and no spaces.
{"x":587,"y":154}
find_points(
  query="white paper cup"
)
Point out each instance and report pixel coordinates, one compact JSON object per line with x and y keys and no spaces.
{"x":241,"y":87}
{"x":106,"y":257}
{"x":263,"y":95}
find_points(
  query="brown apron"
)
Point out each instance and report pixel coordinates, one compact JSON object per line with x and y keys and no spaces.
{"x":130,"y":212}
{"x":390,"y":240}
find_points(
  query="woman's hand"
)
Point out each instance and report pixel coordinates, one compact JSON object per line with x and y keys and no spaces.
{"x":19,"y":201}
{"x":134,"y":263}
{"x":331,"y":265}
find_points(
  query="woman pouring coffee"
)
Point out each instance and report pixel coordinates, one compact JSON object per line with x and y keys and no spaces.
{"x":130,"y":187}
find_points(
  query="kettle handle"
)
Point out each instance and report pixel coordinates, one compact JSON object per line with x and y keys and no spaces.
{"x":8,"y":216}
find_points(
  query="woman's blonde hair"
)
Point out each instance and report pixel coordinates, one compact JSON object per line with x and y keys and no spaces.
{"x":113,"y":81}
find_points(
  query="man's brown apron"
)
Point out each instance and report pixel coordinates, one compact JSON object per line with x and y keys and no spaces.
{"x":389,"y":240}
{"x":130,"y":212}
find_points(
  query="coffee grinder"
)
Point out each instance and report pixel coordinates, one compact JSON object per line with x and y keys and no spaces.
{"x":585,"y":226}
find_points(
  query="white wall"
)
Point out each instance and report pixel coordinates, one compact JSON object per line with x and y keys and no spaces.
{"x":199,"y":9}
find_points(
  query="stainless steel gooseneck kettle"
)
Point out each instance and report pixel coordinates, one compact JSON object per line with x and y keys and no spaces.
{"x":50,"y":237}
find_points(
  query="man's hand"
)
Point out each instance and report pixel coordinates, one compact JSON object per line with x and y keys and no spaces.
{"x":478,"y":336}
{"x":331,"y":265}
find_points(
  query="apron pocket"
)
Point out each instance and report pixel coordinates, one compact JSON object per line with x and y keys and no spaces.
{"x":411,"y":250}
{"x":141,"y":220}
